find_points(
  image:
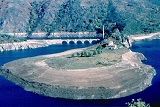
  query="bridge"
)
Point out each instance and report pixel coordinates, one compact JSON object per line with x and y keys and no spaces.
{"x":79,"y":41}
{"x":64,"y":37}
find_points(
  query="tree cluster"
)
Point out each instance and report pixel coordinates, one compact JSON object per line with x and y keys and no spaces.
{"x":37,"y":12}
{"x":72,"y":17}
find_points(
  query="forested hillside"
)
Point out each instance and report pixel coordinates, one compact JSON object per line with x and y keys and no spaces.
{"x":129,"y":16}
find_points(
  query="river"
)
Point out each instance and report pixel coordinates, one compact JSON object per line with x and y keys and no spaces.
{"x":13,"y":95}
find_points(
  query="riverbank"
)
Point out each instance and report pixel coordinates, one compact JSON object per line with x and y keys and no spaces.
{"x":139,"y":37}
{"x":121,"y":79}
{"x":32,"y":44}
{"x":114,"y":81}
{"x":28,"y":44}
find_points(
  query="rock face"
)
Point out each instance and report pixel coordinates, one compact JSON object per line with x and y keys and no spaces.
{"x":131,"y":16}
{"x":122,"y":79}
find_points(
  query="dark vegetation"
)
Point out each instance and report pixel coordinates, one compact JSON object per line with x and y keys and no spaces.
{"x":130,"y":17}
{"x":72,"y":17}
{"x":37,"y":12}
{"x":142,"y":19}
{"x":137,"y":103}
{"x":89,"y":53}
{"x":10,"y":39}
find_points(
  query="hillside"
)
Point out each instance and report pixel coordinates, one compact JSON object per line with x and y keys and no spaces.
{"x":130,"y":16}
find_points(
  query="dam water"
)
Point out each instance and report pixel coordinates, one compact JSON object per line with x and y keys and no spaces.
{"x":12,"y":95}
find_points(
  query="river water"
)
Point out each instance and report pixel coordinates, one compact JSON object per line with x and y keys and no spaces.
{"x":15,"y":96}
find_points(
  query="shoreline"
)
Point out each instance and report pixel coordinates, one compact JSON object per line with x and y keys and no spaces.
{"x":32,"y":44}
{"x":139,"y":37}
{"x":81,"y":83}
{"x":74,"y":84}
{"x":29,"y":44}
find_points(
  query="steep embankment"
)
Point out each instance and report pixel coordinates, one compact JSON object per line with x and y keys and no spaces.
{"x":15,"y":43}
{"x":29,"y":44}
{"x":139,"y":37}
{"x":131,"y":16}
{"x":122,"y":79}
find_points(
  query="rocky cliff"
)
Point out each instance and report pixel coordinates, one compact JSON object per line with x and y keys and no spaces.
{"x":130,"y":16}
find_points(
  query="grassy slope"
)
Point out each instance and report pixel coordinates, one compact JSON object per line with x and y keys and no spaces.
{"x":106,"y":58}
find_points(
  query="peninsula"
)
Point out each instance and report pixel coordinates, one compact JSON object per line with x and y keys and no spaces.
{"x":103,"y":71}
{"x":74,"y":75}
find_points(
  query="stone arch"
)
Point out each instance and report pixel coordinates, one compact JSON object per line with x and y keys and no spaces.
{"x":71,"y":42}
{"x":79,"y":42}
{"x":64,"y":42}
{"x":86,"y":42}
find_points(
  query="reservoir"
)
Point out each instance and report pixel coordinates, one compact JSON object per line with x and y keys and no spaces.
{"x":13,"y":95}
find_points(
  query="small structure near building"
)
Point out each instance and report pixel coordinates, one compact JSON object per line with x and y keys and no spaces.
{"x":111,"y":47}
{"x":109,"y":44}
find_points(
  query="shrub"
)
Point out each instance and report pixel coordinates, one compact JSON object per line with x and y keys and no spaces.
{"x":94,"y":52}
{"x":72,"y":55}
{"x":78,"y":54}
{"x":99,"y":47}
{"x":99,"y":51}
{"x":89,"y":54}
{"x":99,"y":63}
{"x":138,"y":103}
{"x":85,"y":54}
{"x":82,"y":53}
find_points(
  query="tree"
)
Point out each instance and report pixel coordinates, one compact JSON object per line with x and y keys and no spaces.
{"x":94,"y":52}
{"x":89,"y":54}
{"x":100,"y":16}
{"x":107,"y":16}
{"x":78,"y":54}
{"x":85,"y":54}
{"x":37,"y":12}
{"x":138,"y":103}
{"x":115,"y":17}
{"x":72,"y":55}
{"x":69,"y":17}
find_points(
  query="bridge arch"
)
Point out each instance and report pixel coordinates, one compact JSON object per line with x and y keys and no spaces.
{"x":79,"y":42}
{"x":86,"y":42}
{"x":71,"y":42}
{"x":64,"y":43}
